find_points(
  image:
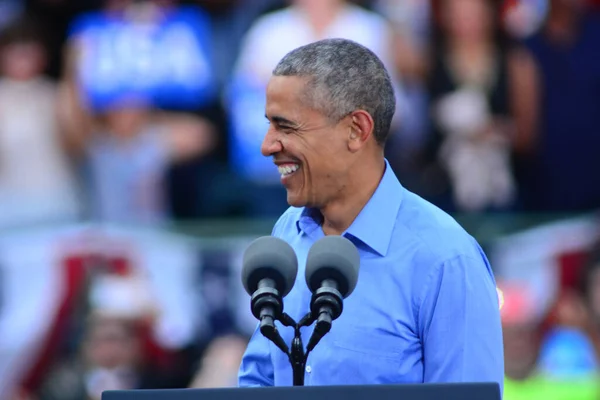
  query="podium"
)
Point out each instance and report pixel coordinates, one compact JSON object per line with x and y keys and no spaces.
{"x":431,"y":391}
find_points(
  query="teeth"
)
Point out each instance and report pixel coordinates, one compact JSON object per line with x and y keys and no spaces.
{"x":288,"y":169}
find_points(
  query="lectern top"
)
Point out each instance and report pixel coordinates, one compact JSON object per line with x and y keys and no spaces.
{"x":433,"y":391}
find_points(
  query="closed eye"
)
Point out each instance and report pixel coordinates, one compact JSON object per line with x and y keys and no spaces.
{"x":282,"y":124}
{"x":282,"y":128}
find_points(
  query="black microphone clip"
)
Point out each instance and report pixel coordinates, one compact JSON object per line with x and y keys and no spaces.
{"x":326,"y":305}
{"x":267,"y":306}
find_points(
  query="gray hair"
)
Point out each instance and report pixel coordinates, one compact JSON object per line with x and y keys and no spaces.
{"x":344,"y":76}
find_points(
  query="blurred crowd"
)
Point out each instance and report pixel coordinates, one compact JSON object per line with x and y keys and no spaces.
{"x":149,"y":112}
{"x":145,"y":112}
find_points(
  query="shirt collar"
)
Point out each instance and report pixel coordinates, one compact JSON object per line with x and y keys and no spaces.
{"x":375,"y":223}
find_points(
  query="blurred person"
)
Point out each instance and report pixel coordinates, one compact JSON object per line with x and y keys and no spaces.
{"x":110,"y":355}
{"x":267,"y":41}
{"x":135,"y":110}
{"x":220,"y":363}
{"x":568,"y":357}
{"x":557,"y":148}
{"x":117,"y":272}
{"x":305,"y":21}
{"x":412,"y":17}
{"x":38,"y":184}
{"x":468,"y":158}
{"x":34,"y":318}
{"x":540,"y":363}
{"x":411,"y":21}
{"x":127,"y":152}
{"x":230,"y":21}
{"x":110,"y":359}
{"x":568,"y":351}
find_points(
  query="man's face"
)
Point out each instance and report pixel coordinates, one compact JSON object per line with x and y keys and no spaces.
{"x":110,"y":344}
{"x":22,"y":61}
{"x":468,"y":19}
{"x":309,"y":149}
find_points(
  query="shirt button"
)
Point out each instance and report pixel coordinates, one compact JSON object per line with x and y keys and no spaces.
{"x":308,"y":369}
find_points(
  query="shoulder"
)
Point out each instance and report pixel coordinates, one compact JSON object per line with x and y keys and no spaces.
{"x":264,"y":26}
{"x":441,"y":250}
{"x":265,"y":43}
{"x":287,"y":221}
{"x":366,"y":16}
{"x":377,"y":33}
{"x":435,"y":235}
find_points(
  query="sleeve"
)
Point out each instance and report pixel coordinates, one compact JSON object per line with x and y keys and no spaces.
{"x":256,"y":368}
{"x":459,"y":323}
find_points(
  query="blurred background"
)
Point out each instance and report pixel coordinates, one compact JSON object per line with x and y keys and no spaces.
{"x":131,"y":179}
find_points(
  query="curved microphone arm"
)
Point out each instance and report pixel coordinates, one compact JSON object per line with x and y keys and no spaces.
{"x":296,"y":355}
{"x":271,"y":333}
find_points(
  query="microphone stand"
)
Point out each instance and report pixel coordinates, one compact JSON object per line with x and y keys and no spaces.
{"x":326,"y":305}
{"x":297,"y":356}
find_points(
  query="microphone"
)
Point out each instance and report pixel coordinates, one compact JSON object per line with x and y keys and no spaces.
{"x":269,"y":272}
{"x":332,"y":268}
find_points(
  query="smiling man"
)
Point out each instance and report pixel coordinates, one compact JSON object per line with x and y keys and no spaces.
{"x":425,"y":308}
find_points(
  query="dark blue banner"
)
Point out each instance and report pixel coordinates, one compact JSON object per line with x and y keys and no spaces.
{"x":165,"y":60}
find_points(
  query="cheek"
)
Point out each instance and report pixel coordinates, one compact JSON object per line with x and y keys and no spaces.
{"x":322,"y":157}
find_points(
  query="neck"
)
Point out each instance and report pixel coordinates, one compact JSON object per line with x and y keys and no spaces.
{"x":338,"y":215}
{"x":471,"y":47}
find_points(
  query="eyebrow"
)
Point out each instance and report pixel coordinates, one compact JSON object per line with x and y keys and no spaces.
{"x":281,"y":120}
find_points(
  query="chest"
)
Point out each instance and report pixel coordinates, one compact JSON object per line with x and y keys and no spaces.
{"x":373,"y":341}
{"x":27,"y":120}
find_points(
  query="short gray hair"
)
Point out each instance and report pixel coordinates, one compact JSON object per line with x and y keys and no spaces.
{"x":344,"y":76}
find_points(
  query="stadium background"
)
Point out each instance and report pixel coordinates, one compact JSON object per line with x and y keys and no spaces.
{"x":131,"y":178}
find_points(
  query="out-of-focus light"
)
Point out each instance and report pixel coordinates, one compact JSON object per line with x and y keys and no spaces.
{"x":523,"y":18}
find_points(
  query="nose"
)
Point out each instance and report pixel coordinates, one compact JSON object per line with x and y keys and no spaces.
{"x":271,"y":144}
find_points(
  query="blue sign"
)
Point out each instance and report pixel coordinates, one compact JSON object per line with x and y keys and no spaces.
{"x":165,"y":60}
{"x":248,"y":127}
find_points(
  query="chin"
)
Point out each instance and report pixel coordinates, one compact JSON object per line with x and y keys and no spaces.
{"x":295,"y":201}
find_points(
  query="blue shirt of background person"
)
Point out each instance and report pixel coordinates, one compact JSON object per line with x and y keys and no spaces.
{"x":425,"y":308}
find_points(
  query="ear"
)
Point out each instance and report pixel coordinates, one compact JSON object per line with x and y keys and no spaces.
{"x":361,"y":130}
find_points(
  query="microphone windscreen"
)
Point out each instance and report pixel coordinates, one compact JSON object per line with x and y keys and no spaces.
{"x":336,"y":258}
{"x":269,"y":257}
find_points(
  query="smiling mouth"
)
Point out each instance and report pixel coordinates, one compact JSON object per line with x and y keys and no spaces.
{"x":286,"y":170}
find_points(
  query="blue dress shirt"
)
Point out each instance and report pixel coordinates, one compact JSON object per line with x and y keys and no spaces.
{"x":425,"y":308}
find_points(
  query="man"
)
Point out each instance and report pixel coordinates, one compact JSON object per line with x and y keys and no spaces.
{"x":425,"y":308}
